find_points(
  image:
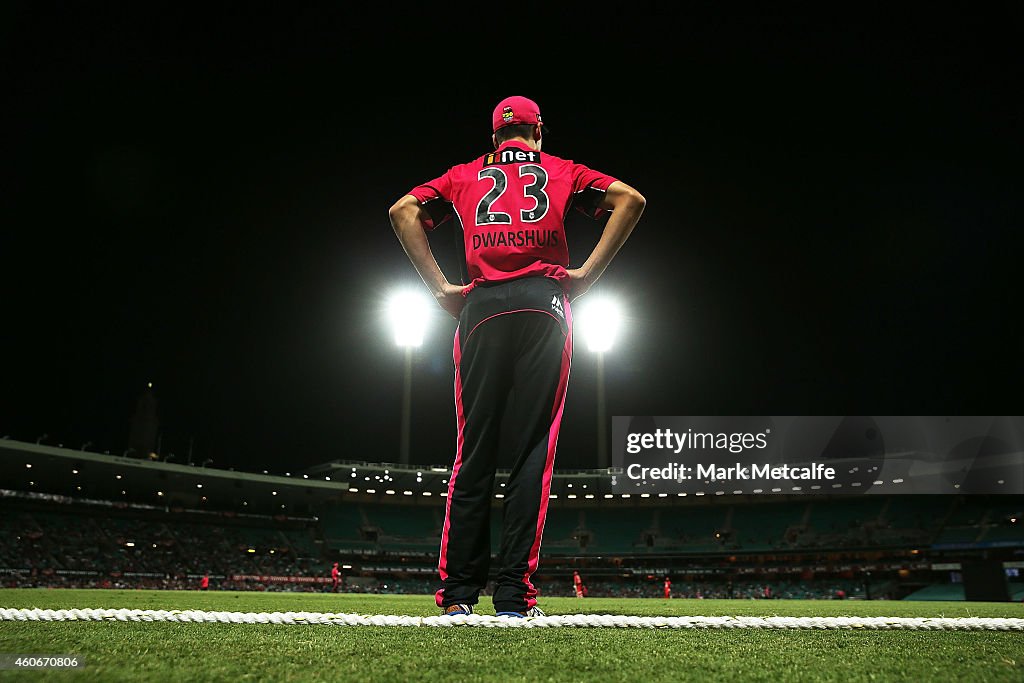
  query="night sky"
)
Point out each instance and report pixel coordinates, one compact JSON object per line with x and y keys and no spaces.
{"x":832,"y":227}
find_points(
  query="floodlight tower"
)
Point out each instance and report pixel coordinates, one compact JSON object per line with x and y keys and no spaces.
{"x":408,"y":313}
{"x":598,"y":322}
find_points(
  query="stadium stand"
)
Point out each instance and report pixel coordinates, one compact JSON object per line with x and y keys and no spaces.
{"x":611,"y":531}
{"x":871,"y":546}
{"x":405,"y":528}
{"x":692,"y":529}
{"x":766,"y":527}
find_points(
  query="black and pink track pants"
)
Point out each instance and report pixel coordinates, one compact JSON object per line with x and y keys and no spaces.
{"x":513,"y":347}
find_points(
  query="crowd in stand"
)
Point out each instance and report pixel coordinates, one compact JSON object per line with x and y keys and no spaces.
{"x":61,"y":548}
{"x":73,"y":550}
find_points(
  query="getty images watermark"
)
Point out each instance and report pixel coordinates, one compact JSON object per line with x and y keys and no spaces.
{"x":851,"y":454}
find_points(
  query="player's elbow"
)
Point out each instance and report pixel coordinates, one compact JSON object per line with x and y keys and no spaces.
{"x":396,"y":210}
{"x":403,"y":207}
{"x":622,"y":197}
{"x":635,"y":200}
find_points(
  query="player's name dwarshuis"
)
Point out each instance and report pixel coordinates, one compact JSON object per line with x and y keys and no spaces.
{"x":515,"y":238}
{"x":814,"y":471}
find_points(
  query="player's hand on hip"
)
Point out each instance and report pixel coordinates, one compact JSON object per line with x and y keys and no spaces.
{"x":579,"y":283}
{"x":452,"y":298}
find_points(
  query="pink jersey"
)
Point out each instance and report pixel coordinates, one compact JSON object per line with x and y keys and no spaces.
{"x":512,"y":204}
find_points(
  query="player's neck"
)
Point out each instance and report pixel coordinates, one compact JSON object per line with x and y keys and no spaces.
{"x":532,"y":144}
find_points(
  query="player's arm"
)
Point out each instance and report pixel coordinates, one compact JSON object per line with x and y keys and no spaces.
{"x":408,"y":218}
{"x":626,"y":205}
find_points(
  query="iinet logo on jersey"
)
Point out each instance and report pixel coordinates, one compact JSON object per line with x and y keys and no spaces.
{"x":556,"y":306}
{"x":510,"y":156}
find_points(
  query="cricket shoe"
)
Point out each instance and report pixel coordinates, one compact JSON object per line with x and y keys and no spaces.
{"x":532,"y":612}
{"x":456,"y":610}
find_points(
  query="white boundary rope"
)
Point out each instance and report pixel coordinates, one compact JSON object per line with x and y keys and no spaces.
{"x":486,"y":621}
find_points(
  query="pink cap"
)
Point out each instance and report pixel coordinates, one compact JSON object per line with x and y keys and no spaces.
{"x":515,"y":110}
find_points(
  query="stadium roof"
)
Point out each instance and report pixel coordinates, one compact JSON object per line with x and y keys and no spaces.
{"x":63,"y":471}
{"x":79,"y":473}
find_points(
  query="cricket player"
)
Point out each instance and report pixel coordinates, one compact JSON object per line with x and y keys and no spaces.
{"x":335,"y":575}
{"x":513,"y":344}
{"x":577,"y":584}
{"x":668,"y":588}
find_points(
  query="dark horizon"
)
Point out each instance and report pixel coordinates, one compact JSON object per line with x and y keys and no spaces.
{"x":832,"y":227}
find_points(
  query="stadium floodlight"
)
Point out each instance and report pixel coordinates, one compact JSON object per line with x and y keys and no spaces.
{"x":408,"y":312}
{"x":598,"y":322}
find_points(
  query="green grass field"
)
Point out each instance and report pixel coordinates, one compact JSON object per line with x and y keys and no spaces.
{"x":116,"y":651}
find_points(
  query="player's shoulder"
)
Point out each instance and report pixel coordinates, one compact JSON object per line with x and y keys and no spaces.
{"x":555,"y":159}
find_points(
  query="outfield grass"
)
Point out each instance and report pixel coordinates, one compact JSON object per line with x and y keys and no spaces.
{"x":116,"y":651}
